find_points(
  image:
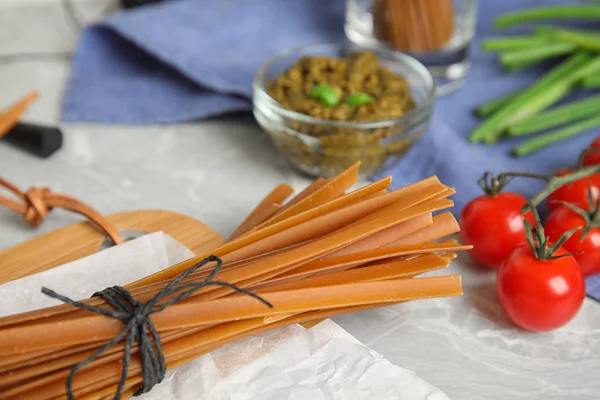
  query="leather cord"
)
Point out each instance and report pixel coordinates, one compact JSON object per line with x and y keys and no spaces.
{"x":36,"y":203}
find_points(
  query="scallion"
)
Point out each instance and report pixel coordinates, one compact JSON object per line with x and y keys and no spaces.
{"x":578,"y":11}
{"x":513,"y":43}
{"x":536,"y":54}
{"x":591,"y":82}
{"x":488,"y":108}
{"x":521,"y":106}
{"x":558,"y":116}
{"x":555,"y":136}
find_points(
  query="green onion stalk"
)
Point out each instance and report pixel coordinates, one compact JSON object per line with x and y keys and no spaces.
{"x":549,"y":32}
{"x":534,"y":55}
{"x":581,"y":40}
{"x":513,"y":43}
{"x":555,"y":136}
{"x":579,"y":11}
{"x":591,"y":82}
{"x":558,"y":116}
{"x":490,"y":107}
{"x":546,"y":91}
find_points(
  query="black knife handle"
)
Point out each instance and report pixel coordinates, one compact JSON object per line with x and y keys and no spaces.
{"x":39,"y":140}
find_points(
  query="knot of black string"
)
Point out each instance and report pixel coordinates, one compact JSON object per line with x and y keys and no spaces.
{"x":138,"y":325}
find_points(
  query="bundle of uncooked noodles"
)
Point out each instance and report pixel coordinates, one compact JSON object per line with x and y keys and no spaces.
{"x":324,"y":252}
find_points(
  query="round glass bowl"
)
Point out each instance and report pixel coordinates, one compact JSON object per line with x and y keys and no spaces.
{"x":325,"y":148}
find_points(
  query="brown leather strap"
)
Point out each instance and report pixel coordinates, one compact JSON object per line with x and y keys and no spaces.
{"x":36,"y":203}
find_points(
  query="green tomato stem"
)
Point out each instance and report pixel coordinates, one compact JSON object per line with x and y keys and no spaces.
{"x":538,"y":241}
{"x":535,"y":235}
{"x":494,"y":184}
{"x":553,"y":183}
{"x":591,"y":217}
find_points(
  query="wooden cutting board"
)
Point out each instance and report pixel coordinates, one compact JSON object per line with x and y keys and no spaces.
{"x":82,"y":239}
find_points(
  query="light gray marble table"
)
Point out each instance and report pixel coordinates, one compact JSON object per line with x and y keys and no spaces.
{"x":217,"y":170}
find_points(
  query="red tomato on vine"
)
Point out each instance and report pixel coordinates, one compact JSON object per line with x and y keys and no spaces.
{"x":541,"y":287}
{"x":575,"y":193}
{"x":585,"y":242}
{"x":592,"y":157}
{"x":494,"y":226}
{"x":493,"y":223}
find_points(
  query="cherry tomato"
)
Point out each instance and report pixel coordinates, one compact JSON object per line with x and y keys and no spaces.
{"x":494,"y":226}
{"x":592,"y":158}
{"x":564,"y":219}
{"x":575,"y":193}
{"x":540,"y":295}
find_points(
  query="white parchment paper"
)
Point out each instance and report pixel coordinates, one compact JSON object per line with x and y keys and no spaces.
{"x":293,"y":363}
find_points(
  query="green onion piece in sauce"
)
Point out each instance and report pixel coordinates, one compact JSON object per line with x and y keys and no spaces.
{"x":325,"y":94}
{"x":358,"y":99}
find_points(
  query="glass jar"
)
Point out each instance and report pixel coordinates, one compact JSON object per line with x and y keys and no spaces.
{"x":436,"y":32}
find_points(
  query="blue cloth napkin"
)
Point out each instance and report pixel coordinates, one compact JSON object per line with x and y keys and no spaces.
{"x":182,"y":60}
{"x":189,"y":59}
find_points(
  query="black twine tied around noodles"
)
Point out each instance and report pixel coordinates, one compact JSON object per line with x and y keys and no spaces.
{"x":139,"y":327}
